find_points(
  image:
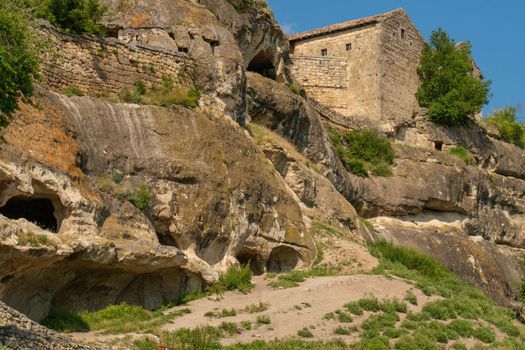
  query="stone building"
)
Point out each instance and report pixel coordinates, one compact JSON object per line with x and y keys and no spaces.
{"x":365,"y":68}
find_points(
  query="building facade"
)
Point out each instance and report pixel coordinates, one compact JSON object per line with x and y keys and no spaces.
{"x":365,"y":68}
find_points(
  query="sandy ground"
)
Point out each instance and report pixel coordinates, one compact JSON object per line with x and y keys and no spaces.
{"x":293,"y":309}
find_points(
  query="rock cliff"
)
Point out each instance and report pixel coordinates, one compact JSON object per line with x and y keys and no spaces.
{"x":72,"y":167}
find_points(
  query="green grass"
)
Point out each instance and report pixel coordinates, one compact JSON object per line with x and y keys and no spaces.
{"x":237,"y":277}
{"x":344,"y":317}
{"x":354,"y":308}
{"x":363,"y":153}
{"x":293,"y":278}
{"x":446,"y":319}
{"x":114,"y":319}
{"x":464,"y":154}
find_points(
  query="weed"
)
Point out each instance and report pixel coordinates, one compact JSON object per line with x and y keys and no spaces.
{"x":72,"y":91}
{"x":256,"y":308}
{"x":263,"y":319}
{"x":230,"y":328}
{"x":485,"y":334}
{"x":344,"y":317}
{"x":464,"y":154}
{"x":354,"y":308}
{"x":142,"y":197}
{"x":31,"y":239}
{"x":227,"y":313}
{"x":236,"y":278}
{"x":411,"y":297}
{"x":305,"y":333}
{"x":246,"y":325}
{"x":370,"y":303}
{"x":363,"y":152}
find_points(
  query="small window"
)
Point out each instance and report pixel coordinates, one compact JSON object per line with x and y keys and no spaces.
{"x":403,"y":33}
{"x":324,"y":52}
{"x":349,"y":47}
{"x":438,"y":146}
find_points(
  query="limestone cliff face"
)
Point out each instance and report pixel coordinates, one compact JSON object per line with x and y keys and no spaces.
{"x":70,"y":171}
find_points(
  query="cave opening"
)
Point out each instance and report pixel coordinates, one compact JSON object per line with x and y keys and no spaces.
{"x":249,"y":257}
{"x":282,"y":259}
{"x":262,"y":63}
{"x":39,"y":211}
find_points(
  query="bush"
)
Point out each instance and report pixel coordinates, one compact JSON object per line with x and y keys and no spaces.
{"x":75,"y":15}
{"x":168,"y":94}
{"x":72,"y":91}
{"x":18,"y":61}
{"x":263,"y":319}
{"x":142,"y":197}
{"x":236,"y":278}
{"x":504,"y":120}
{"x":449,"y":90}
{"x":305,"y":333}
{"x":363,"y":152}
{"x":484,"y":334}
{"x":464,"y":154}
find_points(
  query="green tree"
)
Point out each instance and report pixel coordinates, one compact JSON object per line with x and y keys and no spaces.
{"x":75,"y":15}
{"x":18,"y":61}
{"x":449,"y":88}
{"x":504,"y":120}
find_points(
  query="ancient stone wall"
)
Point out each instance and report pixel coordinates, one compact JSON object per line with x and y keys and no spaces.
{"x":362,"y":98}
{"x":324,"y":78}
{"x":401,"y":45}
{"x":105,"y":66}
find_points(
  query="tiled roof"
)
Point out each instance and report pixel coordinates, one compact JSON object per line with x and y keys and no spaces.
{"x":341,"y":26}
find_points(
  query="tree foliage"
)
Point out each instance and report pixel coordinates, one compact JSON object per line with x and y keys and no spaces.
{"x":18,"y":61}
{"x":504,"y":120}
{"x":449,"y":88}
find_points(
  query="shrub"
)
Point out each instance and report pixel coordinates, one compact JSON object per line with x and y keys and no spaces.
{"x":18,"y":61}
{"x":354,"y":308}
{"x":75,"y":15}
{"x":344,"y":317}
{"x":363,"y":152}
{"x":128,"y":96}
{"x":236,"y":278}
{"x":228,"y":313}
{"x":461,"y":327}
{"x":504,"y":120}
{"x":168,"y":94}
{"x":449,"y":90}
{"x":305,"y":333}
{"x":256,"y":308}
{"x":142,"y":197}
{"x":464,"y":154}
{"x":117,"y":176}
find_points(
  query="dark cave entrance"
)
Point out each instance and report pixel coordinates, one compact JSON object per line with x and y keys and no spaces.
{"x":282,"y":259}
{"x":262,"y":63}
{"x":252,"y":259}
{"x":39,"y":211}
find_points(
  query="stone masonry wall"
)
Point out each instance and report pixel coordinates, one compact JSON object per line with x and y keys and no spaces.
{"x":324,"y":78}
{"x":400,"y":56}
{"x":17,"y":332}
{"x":363,"y":69}
{"x":101,"y":67}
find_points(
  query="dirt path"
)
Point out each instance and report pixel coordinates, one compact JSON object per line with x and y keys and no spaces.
{"x":293,"y":309}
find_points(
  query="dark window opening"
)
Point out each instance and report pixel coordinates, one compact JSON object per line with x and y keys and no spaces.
{"x":282,"y":259}
{"x":403,"y":33}
{"x":183,"y":49}
{"x":349,"y":47}
{"x":262,"y":63}
{"x":171,"y":35}
{"x":39,"y":211}
{"x":324,"y":52}
{"x":438,"y":146}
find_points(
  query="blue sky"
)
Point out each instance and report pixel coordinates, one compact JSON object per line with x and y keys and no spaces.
{"x":495,"y":29}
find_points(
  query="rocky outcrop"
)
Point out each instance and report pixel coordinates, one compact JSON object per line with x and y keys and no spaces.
{"x":17,"y":332}
{"x":215,"y":201}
